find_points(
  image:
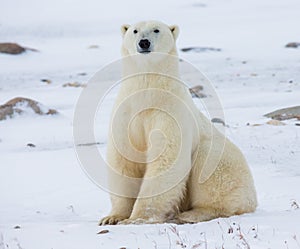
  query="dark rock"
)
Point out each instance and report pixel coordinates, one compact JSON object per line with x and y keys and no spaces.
{"x":200,"y":49}
{"x":14,"y":48}
{"x":196,"y":92}
{"x":218,"y":120}
{"x":285,"y":113}
{"x":16,"y":106}
{"x":31,"y":145}
{"x":89,"y":144}
{"x":46,"y":81}
{"x":293,"y":45}
{"x":11,"y":48}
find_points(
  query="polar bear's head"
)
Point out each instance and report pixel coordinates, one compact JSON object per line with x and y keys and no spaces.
{"x":147,"y":37}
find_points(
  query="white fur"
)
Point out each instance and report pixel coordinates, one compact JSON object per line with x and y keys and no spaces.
{"x":218,"y":185}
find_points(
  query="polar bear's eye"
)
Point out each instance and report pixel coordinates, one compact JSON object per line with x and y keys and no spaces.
{"x":135,"y":31}
{"x":156,"y":30}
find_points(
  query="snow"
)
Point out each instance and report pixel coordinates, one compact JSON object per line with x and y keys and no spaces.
{"x":44,"y":191}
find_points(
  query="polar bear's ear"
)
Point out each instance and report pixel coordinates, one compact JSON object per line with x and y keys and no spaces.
{"x":124,"y":28}
{"x":175,"y":31}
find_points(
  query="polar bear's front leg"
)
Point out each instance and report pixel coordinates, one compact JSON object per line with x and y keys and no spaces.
{"x":121,"y":210}
{"x":160,"y":195}
{"x":121,"y":197}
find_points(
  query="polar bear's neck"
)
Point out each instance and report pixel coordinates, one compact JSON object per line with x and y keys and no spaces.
{"x":151,"y":71}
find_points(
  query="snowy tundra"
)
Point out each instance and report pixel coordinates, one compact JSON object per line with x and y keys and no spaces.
{"x":46,"y":200}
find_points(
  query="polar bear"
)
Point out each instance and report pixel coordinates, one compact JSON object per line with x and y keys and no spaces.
{"x":199,"y":175}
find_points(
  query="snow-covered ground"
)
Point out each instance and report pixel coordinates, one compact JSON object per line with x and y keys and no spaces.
{"x":47,"y":201}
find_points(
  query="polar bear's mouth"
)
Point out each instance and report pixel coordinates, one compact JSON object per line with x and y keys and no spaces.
{"x":144,"y":51}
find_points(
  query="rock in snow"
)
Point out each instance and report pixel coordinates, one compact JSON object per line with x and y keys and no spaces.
{"x":293,"y":45}
{"x":196,"y":92}
{"x":11,"y":48}
{"x":200,"y":49}
{"x":285,"y":113}
{"x":19,"y":105}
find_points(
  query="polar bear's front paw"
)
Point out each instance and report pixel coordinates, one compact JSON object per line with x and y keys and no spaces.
{"x":111,"y":220}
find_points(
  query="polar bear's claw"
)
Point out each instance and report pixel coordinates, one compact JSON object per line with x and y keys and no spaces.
{"x":111,"y":220}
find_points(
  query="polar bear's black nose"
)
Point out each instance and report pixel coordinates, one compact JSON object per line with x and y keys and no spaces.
{"x":144,"y":43}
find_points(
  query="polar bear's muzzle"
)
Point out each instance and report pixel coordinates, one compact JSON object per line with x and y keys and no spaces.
{"x":144,"y":46}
